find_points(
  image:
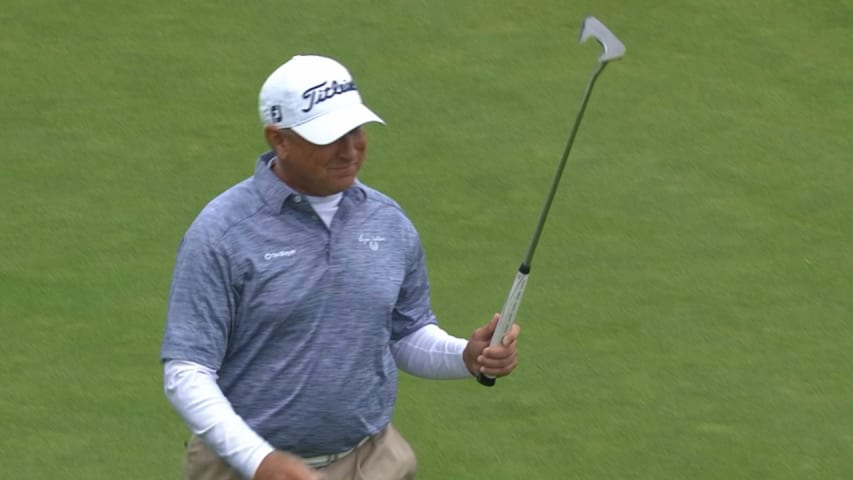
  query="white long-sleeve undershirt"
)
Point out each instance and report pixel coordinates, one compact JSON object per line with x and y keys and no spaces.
{"x":195,"y":395}
{"x":191,"y":388}
{"x":430,"y":352}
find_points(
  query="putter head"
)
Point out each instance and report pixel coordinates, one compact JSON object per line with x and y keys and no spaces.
{"x":613,"y":48}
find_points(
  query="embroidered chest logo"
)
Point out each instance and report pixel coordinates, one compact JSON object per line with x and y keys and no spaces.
{"x":371,"y":241}
{"x":283,"y":253}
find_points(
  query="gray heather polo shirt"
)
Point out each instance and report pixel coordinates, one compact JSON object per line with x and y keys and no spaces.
{"x":298,"y":318}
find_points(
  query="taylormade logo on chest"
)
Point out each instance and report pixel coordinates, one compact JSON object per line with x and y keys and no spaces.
{"x":321,"y":92}
{"x":283,"y":253}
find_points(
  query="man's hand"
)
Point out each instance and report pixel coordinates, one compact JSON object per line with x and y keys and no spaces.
{"x":497,"y":361}
{"x":279,"y":465}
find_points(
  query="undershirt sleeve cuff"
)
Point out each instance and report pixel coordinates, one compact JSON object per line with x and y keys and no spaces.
{"x":193,"y":392}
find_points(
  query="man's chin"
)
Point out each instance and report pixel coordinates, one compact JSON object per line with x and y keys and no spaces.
{"x":343,"y":176}
{"x":339,"y":184}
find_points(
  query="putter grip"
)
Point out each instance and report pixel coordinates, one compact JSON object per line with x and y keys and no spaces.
{"x":484,"y":380}
{"x":513,"y":300}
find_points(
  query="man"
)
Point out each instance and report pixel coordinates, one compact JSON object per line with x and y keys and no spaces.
{"x":297,"y":294}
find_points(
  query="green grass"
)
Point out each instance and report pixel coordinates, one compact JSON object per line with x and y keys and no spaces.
{"x":689,"y":314}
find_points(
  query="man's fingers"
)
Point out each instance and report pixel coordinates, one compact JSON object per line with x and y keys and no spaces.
{"x":485,"y":332}
{"x":493,"y":323}
{"x":512,"y":335}
{"x":499,"y":367}
{"x":497,"y":356}
{"x":501,"y":359}
{"x":497,"y":360}
{"x":507,"y":344}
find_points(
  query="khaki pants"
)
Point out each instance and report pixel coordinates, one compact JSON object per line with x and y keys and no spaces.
{"x":385,"y":456}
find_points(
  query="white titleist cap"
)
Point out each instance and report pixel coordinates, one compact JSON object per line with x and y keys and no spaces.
{"x":314,"y":96}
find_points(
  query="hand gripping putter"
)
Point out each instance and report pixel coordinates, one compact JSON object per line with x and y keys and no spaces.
{"x":613,"y":50}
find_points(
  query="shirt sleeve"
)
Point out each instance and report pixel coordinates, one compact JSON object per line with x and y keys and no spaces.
{"x":431,"y":353}
{"x":202,"y":301}
{"x":192,"y":390}
{"x":413,"y":310}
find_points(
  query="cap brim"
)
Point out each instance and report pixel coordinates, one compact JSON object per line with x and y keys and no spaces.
{"x":327,"y":128}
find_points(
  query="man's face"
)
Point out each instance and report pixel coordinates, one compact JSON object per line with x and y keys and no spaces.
{"x":320,"y":170}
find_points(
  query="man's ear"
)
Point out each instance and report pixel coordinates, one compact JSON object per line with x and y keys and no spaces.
{"x":276,"y":140}
{"x":273,"y":136}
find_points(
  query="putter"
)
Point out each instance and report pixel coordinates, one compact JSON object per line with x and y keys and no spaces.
{"x":613,"y":50}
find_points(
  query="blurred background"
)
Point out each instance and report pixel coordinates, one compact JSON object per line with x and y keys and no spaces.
{"x":689,"y":312}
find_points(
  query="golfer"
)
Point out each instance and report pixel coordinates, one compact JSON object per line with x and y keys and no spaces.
{"x":296,"y":296}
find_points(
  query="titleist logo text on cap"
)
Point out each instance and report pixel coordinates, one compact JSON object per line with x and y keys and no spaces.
{"x":321,"y":92}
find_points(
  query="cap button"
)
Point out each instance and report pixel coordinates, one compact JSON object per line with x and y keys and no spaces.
{"x":297,"y":198}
